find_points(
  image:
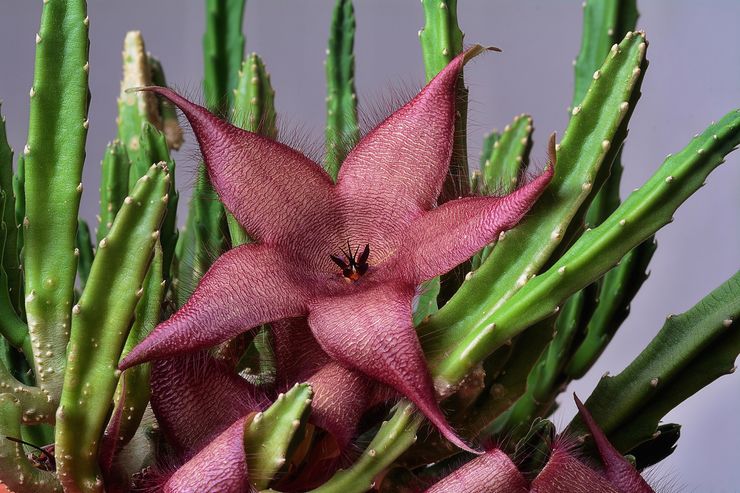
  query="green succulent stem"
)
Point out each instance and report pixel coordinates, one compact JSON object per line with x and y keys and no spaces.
{"x":135,"y":108}
{"x":442,"y":40}
{"x":167,"y":112}
{"x":133,"y":390}
{"x":113,"y":185}
{"x":268,"y":434}
{"x":605,"y":22}
{"x":85,"y":251}
{"x":590,"y":141}
{"x":12,"y":328}
{"x":690,"y":351}
{"x":10,"y":256}
{"x":510,"y":383}
{"x":645,"y":211}
{"x":38,"y":405}
{"x":100,"y":325}
{"x":507,"y":156}
{"x":618,"y":287}
{"x":16,"y":470}
{"x":223,"y":51}
{"x":54,"y":155}
{"x":342,"y":130}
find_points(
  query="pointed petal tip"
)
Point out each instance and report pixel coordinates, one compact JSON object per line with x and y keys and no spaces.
{"x":439,"y":421}
{"x":143,"y":352}
{"x":618,"y":470}
{"x":130,"y":360}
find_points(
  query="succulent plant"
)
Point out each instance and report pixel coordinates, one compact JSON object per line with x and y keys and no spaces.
{"x":351,"y":303}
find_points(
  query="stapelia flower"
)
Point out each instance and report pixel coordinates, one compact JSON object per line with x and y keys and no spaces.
{"x":494,"y":471}
{"x":382,"y":210}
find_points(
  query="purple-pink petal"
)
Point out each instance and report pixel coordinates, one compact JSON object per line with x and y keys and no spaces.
{"x":563,"y":472}
{"x":195,"y":398}
{"x":438,"y":241}
{"x":340,"y":395}
{"x":220,"y":467}
{"x":371,"y":331}
{"x":247,"y":286}
{"x":270,"y":188}
{"x":617,"y":469}
{"x":396,"y":172}
{"x":492,"y":472}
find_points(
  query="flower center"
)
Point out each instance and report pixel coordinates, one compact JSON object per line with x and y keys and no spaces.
{"x":353,"y":267}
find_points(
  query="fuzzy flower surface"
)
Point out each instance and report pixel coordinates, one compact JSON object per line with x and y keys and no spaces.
{"x":495,"y":472}
{"x":347,"y":256}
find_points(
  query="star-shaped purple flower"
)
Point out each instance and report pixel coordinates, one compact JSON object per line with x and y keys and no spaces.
{"x":348,"y":256}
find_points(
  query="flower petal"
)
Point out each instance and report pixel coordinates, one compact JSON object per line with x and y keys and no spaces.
{"x":492,"y":472}
{"x":371,"y":331}
{"x":438,"y":241}
{"x":247,"y":286}
{"x":617,"y":469}
{"x":297,"y":354}
{"x":195,"y":398}
{"x":220,"y":467}
{"x":340,"y":398}
{"x":340,"y":395}
{"x":563,"y":472}
{"x":397,"y":170}
{"x":269,"y":187}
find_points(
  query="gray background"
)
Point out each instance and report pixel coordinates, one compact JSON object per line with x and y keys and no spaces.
{"x":693,"y":78}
